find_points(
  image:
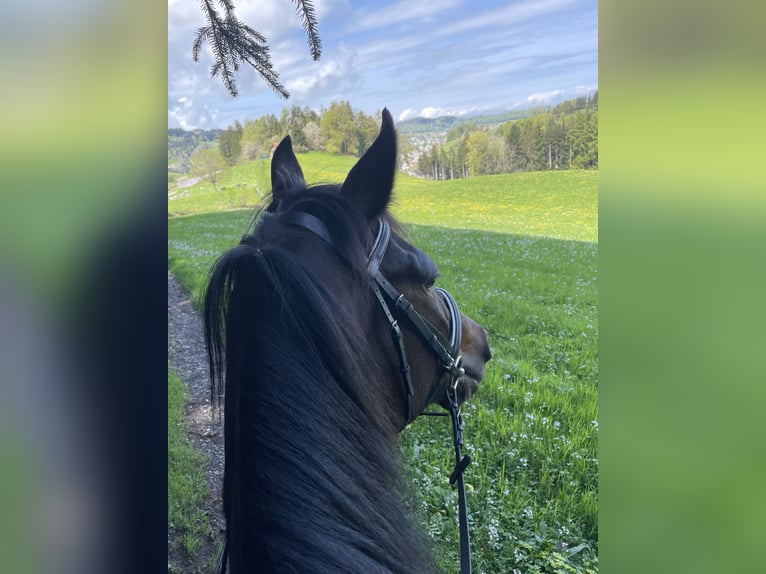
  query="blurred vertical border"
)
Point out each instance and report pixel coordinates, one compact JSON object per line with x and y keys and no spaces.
{"x":682,"y":218}
{"x":82,"y":264}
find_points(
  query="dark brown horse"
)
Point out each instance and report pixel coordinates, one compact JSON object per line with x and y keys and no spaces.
{"x":299,"y":330}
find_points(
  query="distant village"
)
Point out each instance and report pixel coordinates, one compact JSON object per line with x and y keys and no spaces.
{"x":419,"y":144}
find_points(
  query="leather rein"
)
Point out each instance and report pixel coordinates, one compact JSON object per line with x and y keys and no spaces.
{"x":446,"y":350}
{"x":448,"y":355}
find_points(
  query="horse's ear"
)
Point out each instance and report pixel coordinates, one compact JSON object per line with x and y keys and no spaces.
{"x":370,"y":182}
{"x":286,"y":172}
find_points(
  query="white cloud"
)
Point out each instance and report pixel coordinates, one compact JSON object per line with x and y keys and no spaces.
{"x":178,"y":117}
{"x":436,"y":111}
{"x":190,"y":114}
{"x":543,"y":97}
{"x":333,"y":75}
{"x":432,"y":112}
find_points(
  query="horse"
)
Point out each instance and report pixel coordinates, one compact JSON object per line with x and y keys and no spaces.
{"x":318,"y":369}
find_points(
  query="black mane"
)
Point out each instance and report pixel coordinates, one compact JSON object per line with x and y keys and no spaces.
{"x":310,"y":479}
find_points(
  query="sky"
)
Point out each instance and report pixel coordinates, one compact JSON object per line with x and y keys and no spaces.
{"x":416,"y":57}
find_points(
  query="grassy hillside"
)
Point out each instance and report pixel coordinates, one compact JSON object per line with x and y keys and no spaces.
{"x":561,"y":204}
{"x":246,"y":184}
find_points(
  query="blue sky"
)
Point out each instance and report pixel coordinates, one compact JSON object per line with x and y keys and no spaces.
{"x":418,"y":58}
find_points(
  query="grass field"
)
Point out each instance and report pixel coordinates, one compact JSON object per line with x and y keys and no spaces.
{"x":511,"y":250}
{"x":561,"y":204}
{"x":187,"y":485}
{"x":246,"y":184}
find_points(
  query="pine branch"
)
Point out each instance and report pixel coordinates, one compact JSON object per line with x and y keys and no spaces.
{"x":202,"y":35}
{"x":305,"y":10}
{"x":255,"y":34}
{"x":233,"y":42}
{"x":228,"y":7}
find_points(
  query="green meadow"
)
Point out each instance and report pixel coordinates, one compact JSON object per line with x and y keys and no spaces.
{"x":519,"y":254}
{"x":247,"y":184}
{"x":560,"y":204}
{"x":187,"y":522}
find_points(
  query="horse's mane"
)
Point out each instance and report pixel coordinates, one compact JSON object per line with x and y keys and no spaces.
{"x":310,"y":482}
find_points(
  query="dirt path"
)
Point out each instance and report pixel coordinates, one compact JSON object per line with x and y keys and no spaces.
{"x":187,"y":357}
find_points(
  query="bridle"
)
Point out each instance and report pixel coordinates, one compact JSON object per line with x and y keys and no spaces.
{"x":446,"y":350}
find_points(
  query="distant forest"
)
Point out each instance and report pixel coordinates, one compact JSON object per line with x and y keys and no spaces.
{"x":560,"y":137}
{"x":182,"y":144}
{"x":446,"y":123}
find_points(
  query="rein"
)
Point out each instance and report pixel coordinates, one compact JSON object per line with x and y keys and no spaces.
{"x":446,"y":351}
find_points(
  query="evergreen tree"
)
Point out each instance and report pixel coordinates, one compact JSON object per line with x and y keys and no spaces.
{"x":425,"y":165}
{"x":512,"y":141}
{"x":585,"y":140}
{"x":230,"y":143}
{"x":529,"y":136}
{"x":553,"y":139}
{"x":461,"y":166}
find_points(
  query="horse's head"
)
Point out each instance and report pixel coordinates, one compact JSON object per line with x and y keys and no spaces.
{"x":341,"y":228}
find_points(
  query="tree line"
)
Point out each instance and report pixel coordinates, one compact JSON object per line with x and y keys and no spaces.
{"x":564,"y":137}
{"x":337,"y":129}
{"x":561,"y":137}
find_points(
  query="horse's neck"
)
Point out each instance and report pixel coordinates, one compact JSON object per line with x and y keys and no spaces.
{"x":313,"y":483}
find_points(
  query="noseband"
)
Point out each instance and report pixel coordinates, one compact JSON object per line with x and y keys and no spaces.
{"x":447,"y":351}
